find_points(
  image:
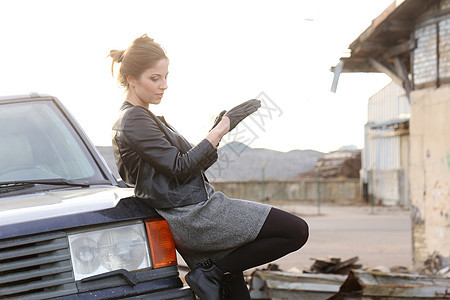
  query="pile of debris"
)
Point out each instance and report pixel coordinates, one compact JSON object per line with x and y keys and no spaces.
{"x":343,"y":163}
{"x":336,"y":279}
{"x":437,"y":265}
{"x":375,"y":285}
{"x":334,"y":265}
{"x":265,"y":285}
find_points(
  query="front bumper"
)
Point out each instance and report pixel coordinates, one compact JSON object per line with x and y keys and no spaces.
{"x":158,"y":284}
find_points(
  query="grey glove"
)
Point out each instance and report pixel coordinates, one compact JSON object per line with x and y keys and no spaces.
{"x":218,"y":119}
{"x":243,"y":110}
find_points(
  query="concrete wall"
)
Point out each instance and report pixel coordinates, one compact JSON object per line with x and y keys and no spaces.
{"x":430,"y":171}
{"x":405,"y":196}
{"x":388,"y":187}
{"x":341,"y":191}
{"x":429,"y":175}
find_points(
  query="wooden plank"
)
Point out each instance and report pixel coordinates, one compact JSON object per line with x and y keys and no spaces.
{"x":400,"y":49}
{"x":383,"y":68}
{"x":367,"y":46}
{"x":346,"y":263}
{"x":403,"y":74}
{"x":342,"y":265}
{"x":389,"y":134}
{"x":397,"y":25}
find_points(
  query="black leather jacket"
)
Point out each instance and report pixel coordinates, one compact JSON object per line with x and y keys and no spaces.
{"x":154,"y":158}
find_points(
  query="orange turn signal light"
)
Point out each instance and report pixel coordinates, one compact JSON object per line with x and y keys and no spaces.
{"x":162,"y":245}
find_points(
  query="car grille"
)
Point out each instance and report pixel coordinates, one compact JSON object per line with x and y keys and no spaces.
{"x":36,"y":267}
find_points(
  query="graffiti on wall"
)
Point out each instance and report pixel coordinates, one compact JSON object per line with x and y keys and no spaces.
{"x":440,"y":211}
{"x":439,"y":200}
{"x":437,"y":196}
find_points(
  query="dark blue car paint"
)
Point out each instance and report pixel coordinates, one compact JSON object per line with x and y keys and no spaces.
{"x":127,"y":209}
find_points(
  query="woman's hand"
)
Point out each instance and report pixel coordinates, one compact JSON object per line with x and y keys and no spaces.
{"x":218,"y":119}
{"x":216,"y":134}
{"x":227,"y":120}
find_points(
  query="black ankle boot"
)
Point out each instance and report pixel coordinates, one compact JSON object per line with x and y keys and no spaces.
{"x":206,"y":281}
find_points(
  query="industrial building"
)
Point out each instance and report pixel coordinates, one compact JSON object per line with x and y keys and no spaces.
{"x":385,"y":157}
{"x":410,"y":42}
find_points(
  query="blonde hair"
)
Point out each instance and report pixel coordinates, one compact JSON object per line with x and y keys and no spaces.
{"x":142,"y":54}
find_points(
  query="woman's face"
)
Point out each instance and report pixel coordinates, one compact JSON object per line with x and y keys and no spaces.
{"x":150,"y":86}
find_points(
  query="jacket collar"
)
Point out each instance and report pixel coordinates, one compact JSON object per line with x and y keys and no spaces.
{"x":127,"y":104}
{"x":185,"y":146}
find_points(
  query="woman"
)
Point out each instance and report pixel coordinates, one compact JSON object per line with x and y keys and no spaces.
{"x":217,"y":236}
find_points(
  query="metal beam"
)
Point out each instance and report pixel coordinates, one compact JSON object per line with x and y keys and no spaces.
{"x":337,"y":72}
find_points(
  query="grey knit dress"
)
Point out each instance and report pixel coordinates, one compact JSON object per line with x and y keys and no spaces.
{"x":214,"y":228}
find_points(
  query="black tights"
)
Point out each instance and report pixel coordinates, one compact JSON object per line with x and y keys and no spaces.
{"x":282,"y":233}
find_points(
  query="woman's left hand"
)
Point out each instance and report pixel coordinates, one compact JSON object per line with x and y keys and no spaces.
{"x":225,"y":123}
{"x":218,"y":119}
{"x":216,"y":134}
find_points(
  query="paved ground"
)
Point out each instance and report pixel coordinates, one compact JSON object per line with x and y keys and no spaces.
{"x":378,"y":236}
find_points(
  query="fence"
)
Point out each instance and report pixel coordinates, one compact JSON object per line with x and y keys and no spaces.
{"x":338,"y":191}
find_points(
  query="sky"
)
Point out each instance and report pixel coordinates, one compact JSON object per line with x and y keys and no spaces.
{"x":221,"y":54}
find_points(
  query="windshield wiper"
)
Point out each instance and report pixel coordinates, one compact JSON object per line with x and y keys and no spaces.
{"x":53,"y":181}
{"x":8,"y":186}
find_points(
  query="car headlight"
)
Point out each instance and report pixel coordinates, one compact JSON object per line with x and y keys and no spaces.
{"x":104,"y":250}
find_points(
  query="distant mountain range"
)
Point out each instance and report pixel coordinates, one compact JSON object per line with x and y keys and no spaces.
{"x":240,"y":162}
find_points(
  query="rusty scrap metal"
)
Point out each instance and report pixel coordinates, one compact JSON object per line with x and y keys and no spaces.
{"x":374,"y":285}
{"x":299,"y":286}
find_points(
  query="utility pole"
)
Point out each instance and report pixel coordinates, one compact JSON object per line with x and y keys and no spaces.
{"x":263,"y":182}
{"x":319,"y":165}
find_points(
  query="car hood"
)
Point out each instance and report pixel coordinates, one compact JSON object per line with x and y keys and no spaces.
{"x":57,"y":203}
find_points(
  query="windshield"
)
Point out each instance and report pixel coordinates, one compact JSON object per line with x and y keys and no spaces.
{"x":37,"y":142}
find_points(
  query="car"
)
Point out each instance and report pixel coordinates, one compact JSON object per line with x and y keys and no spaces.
{"x":68,"y":228}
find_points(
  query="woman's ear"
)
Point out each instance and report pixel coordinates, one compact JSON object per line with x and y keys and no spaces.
{"x":131,"y":81}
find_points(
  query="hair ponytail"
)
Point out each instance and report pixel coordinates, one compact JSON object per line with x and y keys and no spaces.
{"x":117,"y":57}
